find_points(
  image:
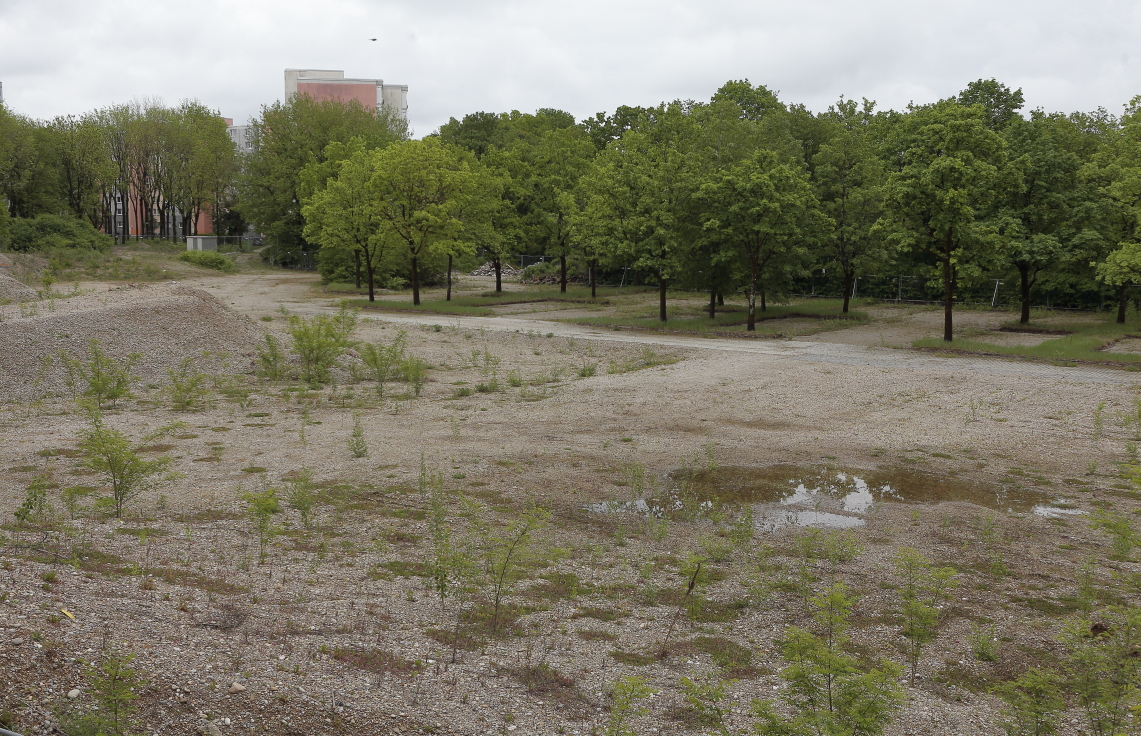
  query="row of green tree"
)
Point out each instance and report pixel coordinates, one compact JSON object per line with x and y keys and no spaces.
{"x":163,"y":164}
{"x":743,"y":193}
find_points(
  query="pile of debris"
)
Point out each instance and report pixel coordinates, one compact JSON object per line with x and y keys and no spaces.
{"x":488,"y":269}
{"x":164,"y":324}
{"x":12,"y":290}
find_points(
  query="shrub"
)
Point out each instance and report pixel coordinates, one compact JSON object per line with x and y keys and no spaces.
{"x":55,"y":231}
{"x":207,"y":259}
{"x":109,"y":453}
{"x":271,"y":360}
{"x":187,"y":388}
{"x":35,"y":504}
{"x":319,"y":342}
{"x":100,"y":380}
{"x":301,"y":497}
{"x":384,"y":362}
{"x":261,"y":508}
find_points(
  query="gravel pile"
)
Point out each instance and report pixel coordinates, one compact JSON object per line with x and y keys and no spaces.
{"x":12,"y":290}
{"x":165,"y":323}
{"x":488,"y":269}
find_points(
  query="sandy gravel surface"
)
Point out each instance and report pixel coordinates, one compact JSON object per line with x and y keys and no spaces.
{"x":210,"y":615}
{"x":163,"y":324}
{"x":13,"y":291}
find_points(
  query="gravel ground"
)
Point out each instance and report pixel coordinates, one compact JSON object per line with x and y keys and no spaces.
{"x":12,"y":290}
{"x":201,"y":612}
{"x":163,"y":323}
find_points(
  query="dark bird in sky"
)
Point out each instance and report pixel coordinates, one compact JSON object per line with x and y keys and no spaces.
{"x":372,"y":39}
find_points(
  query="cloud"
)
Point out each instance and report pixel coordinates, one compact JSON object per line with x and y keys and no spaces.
{"x":67,"y":56}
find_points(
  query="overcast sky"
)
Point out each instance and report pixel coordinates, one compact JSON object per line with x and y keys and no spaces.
{"x":460,"y":56}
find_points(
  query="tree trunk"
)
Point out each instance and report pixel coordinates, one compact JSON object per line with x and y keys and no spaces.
{"x":593,"y":288}
{"x":712,"y":304}
{"x":753,"y":269}
{"x":849,"y":279}
{"x":1122,"y":303}
{"x":448,"y":298}
{"x":498,"y":274}
{"x":1024,"y":277}
{"x":357,"y":256}
{"x":764,"y":303}
{"x":563,"y":274}
{"x":415,"y":283}
{"x":720,"y":299}
{"x":370,"y":269}
{"x":948,"y":292}
{"x":661,"y":297}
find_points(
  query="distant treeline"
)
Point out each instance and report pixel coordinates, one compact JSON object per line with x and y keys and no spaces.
{"x":741,"y":194}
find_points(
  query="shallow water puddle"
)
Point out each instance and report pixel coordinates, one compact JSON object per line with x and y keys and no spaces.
{"x":791,"y":495}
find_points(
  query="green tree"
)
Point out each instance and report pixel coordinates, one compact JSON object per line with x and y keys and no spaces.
{"x":1115,"y":172}
{"x":640,"y":194}
{"x":849,"y":175}
{"x":423,"y":187}
{"x":290,"y":136}
{"x":1037,"y":216}
{"x":1000,"y":104}
{"x":1121,"y":269}
{"x":767,"y":210}
{"x":85,"y":167}
{"x":344,"y":211}
{"x":947,"y":173}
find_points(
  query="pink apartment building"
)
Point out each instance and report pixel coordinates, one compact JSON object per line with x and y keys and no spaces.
{"x":331,"y":84}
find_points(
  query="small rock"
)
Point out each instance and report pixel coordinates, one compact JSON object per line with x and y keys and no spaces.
{"x":17,"y":641}
{"x":73,"y":694}
{"x":237,"y":687}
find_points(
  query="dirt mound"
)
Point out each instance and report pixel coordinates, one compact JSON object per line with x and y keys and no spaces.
{"x":488,"y":269}
{"x":12,"y":290}
{"x":164,"y":323}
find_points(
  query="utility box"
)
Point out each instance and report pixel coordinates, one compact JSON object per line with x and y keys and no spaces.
{"x":202,"y":242}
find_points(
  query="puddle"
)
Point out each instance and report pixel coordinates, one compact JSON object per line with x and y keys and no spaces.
{"x":790,"y":495}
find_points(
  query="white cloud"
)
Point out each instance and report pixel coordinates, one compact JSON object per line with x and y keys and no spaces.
{"x":66,"y":56}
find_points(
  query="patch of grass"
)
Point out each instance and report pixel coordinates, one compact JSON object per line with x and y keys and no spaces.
{"x":544,"y":680}
{"x":377,"y":661}
{"x":558,"y":585}
{"x":726,"y":653}
{"x":596,"y":635}
{"x":186,"y":578}
{"x":600,"y":614}
{"x":637,"y":659}
{"x":207,"y":259}
{"x":818,"y":315}
{"x":254,"y":469}
{"x":703,"y":610}
{"x":1085,"y":344}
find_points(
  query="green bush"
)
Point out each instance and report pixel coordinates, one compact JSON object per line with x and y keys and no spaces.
{"x":27,"y":234}
{"x":207,"y":259}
